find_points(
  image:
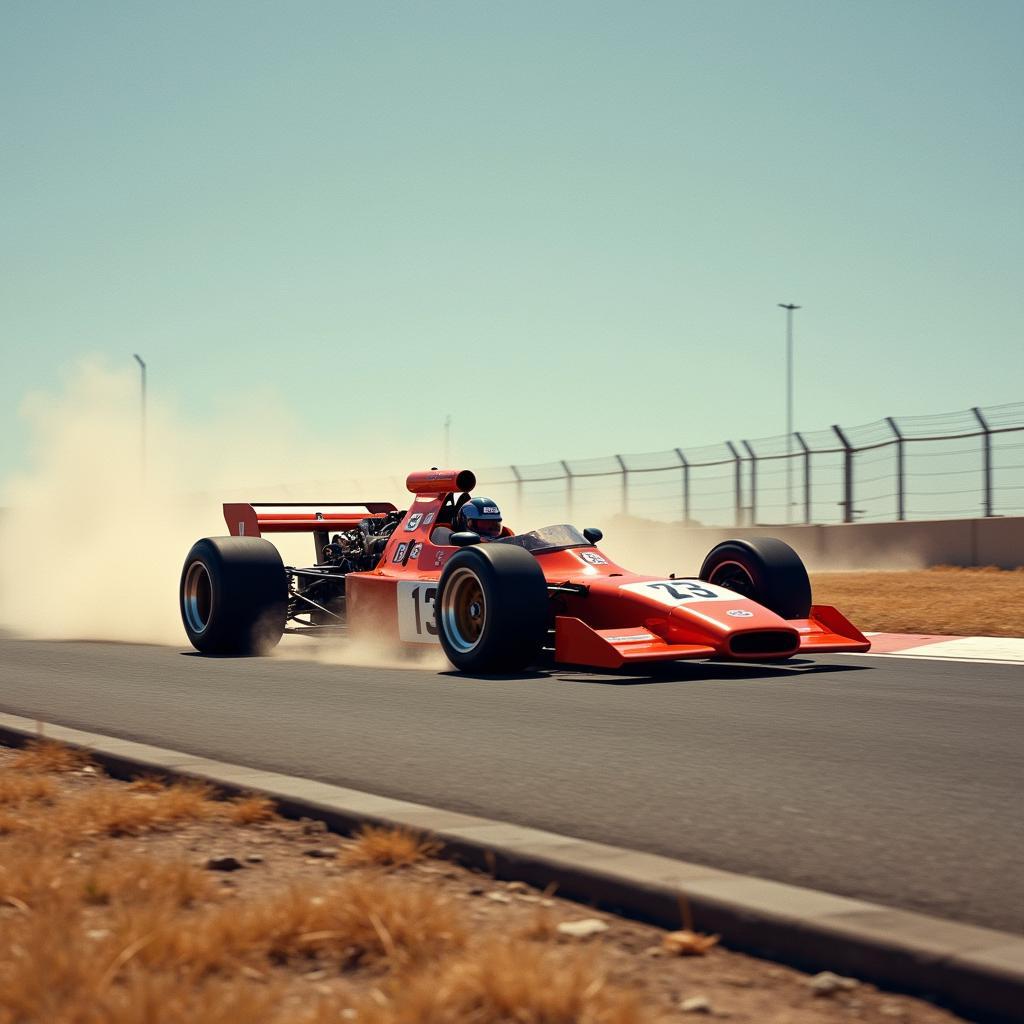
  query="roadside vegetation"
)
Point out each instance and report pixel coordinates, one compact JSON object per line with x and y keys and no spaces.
{"x":157,"y":902}
{"x":945,"y":600}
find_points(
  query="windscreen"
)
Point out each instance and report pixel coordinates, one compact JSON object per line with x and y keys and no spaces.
{"x":548,"y":538}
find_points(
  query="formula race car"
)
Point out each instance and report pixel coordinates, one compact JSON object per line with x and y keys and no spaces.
{"x":405,"y":578}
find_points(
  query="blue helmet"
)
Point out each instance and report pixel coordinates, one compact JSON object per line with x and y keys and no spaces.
{"x":481,"y":515}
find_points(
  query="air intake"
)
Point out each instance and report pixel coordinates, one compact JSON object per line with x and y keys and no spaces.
{"x":763,"y":643}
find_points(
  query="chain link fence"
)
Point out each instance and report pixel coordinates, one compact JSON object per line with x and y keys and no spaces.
{"x":962,"y":464}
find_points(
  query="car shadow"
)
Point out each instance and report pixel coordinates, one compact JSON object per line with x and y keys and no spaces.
{"x":221,"y":657}
{"x":705,"y":671}
{"x":656,"y":674}
{"x":497,"y":677}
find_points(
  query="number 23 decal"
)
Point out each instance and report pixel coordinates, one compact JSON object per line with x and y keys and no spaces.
{"x":684,"y":591}
{"x":672,"y":592}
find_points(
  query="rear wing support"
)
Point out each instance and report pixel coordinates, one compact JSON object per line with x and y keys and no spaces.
{"x":244,"y":519}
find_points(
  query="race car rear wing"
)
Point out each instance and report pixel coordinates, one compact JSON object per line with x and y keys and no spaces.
{"x":245,"y":520}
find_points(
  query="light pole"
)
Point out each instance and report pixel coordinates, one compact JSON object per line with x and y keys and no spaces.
{"x":142,"y":423}
{"x":789,"y":308}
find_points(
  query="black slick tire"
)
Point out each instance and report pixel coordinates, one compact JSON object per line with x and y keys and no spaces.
{"x":764,"y":569}
{"x":233,"y":596}
{"x":491,"y":609}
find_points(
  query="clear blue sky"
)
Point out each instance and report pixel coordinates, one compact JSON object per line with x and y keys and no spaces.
{"x":567,"y":224}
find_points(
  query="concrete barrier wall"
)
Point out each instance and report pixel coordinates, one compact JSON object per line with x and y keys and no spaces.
{"x":963,"y":542}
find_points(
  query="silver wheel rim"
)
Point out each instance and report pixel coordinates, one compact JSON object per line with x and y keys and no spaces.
{"x":463,"y":610}
{"x":197,"y":597}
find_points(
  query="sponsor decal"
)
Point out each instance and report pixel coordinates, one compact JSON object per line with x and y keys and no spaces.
{"x":630,"y":639}
{"x":491,"y":509}
{"x":428,"y":518}
{"x":414,"y":522}
{"x":676,"y":592}
{"x":416,"y":549}
{"x":400,"y":551}
{"x":593,"y":558}
{"x":740,"y":613}
{"x":319,"y":515}
{"x":440,"y":558}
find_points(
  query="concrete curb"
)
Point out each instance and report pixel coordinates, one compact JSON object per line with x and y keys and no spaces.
{"x":978,"y":972}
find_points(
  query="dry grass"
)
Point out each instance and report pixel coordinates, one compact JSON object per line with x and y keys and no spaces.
{"x":107,"y":916}
{"x":94,"y":933}
{"x":114,"y":813}
{"x":132,"y":810}
{"x":32,"y":876}
{"x":144,"y":998}
{"x":944,"y":600}
{"x":28,"y":871}
{"x":126,"y":880}
{"x":354,"y":923}
{"x":387,"y":847}
{"x":47,"y":756}
{"x":18,"y":790}
{"x":147,"y":784}
{"x":500,"y":982}
{"x":249,"y":810}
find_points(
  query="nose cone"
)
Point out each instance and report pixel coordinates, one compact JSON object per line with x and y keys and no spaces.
{"x":738,"y":629}
{"x":729,"y":616}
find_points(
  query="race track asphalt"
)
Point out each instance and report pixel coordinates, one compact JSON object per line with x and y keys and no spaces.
{"x":894,"y":780}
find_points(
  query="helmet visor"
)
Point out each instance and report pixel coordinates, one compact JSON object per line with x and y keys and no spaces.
{"x":486,"y":527}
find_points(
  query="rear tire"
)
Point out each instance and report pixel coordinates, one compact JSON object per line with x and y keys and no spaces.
{"x":233,"y":596}
{"x":764,"y":569}
{"x":492,"y":609}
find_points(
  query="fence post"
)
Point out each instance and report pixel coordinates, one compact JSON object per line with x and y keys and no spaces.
{"x":987,"y":456}
{"x":625,"y":484}
{"x":900,"y":469}
{"x":753,"y":483}
{"x":739,"y":482}
{"x":807,"y":476}
{"x":519,"y":491}
{"x":568,"y":487}
{"x":847,"y":501}
{"x":686,"y":485}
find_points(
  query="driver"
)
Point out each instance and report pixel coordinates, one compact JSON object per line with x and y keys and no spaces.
{"x":482,"y":516}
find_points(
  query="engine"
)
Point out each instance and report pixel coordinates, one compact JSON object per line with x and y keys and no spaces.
{"x":360,"y":550}
{"x":320,"y":591}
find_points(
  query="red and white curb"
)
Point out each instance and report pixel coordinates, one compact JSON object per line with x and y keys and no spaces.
{"x":996,"y":649}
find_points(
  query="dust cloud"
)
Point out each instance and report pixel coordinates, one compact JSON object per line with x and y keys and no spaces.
{"x":92,"y":548}
{"x":364,"y":653}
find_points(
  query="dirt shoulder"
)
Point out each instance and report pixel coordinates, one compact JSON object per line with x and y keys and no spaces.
{"x":947,"y":601}
{"x":125,"y":903}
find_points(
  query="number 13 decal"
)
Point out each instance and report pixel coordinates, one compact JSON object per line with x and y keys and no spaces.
{"x":416,"y":612}
{"x":425,"y":618}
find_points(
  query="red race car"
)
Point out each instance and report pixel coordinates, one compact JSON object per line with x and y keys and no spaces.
{"x":493,"y":603}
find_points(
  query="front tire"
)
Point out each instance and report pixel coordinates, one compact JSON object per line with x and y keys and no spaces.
{"x":233,"y":596}
{"x":764,"y":569}
{"x":492,"y":609}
